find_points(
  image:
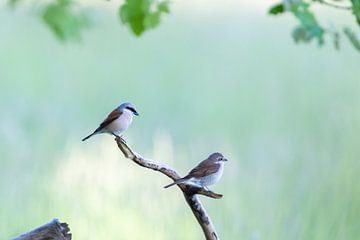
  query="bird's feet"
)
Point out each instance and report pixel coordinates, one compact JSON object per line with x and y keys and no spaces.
{"x":119,"y":137}
{"x":122,"y":140}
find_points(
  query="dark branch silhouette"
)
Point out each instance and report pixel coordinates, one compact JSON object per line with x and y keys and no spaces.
{"x":188,"y":191}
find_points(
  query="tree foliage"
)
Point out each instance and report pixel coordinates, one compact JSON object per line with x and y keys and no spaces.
{"x":309,"y":28}
{"x":67,"y":21}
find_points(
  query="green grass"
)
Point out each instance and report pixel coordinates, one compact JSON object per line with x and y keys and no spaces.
{"x":287,"y":117}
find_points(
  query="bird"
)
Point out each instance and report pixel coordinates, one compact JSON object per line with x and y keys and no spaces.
{"x":117,"y":122}
{"x":206,"y":173}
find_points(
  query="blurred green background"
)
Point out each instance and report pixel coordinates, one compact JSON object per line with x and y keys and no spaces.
{"x":214,"y":76}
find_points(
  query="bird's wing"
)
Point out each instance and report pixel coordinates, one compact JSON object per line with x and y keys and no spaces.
{"x":204,"y":168}
{"x":115,"y":114}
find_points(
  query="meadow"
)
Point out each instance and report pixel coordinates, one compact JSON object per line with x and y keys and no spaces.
{"x":209,"y":79}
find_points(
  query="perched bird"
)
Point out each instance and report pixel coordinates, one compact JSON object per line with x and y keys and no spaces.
{"x":118,"y":121}
{"x":207,"y":173}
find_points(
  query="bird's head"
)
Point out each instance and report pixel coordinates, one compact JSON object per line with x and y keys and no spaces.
{"x":217,"y":158}
{"x":128,"y":106}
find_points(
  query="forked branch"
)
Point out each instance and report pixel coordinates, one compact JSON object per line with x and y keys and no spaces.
{"x":188,"y":191}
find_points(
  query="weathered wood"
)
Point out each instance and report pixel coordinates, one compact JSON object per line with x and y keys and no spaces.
{"x":188,"y":191}
{"x":53,"y":230}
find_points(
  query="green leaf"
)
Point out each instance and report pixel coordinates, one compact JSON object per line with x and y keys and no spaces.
{"x":140,"y":16}
{"x":152,"y":20}
{"x":164,"y":7}
{"x":355,"y":41}
{"x":356,"y":9}
{"x":63,"y":21}
{"x":300,"y":34}
{"x":309,"y":28}
{"x":301,"y":11}
{"x":13,"y":3}
{"x":277,"y":9}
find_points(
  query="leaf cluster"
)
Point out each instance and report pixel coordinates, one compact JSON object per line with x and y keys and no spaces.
{"x":309,"y":28}
{"x":142,"y":15}
{"x":67,"y":21}
{"x":63,"y":19}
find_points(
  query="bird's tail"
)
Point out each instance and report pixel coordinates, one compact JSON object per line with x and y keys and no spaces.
{"x":89,"y":136}
{"x":176,"y":182}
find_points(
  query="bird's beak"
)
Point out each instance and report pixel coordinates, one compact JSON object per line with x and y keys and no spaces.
{"x":225,"y":159}
{"x":136,"y":113}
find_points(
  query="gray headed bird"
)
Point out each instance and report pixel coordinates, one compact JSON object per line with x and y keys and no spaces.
{"x":207,"y":173}
{"x":117,"y":122}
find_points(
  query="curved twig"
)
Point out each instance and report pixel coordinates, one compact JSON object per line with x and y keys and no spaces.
{"x":329,"y":4}
{"x":188,"y":191}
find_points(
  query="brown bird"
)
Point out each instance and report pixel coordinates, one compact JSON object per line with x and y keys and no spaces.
{"x":207,"y":173}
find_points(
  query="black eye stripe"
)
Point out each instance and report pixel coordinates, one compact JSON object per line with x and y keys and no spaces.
{"x":131,"y":109}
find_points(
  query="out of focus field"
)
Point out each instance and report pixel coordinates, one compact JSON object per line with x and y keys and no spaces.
{"x":208,"y":79}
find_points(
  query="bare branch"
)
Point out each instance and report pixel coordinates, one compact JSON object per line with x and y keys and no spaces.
{"x":188,"y":191}
{"x":52,"y":230}
{"x":330,"y":4}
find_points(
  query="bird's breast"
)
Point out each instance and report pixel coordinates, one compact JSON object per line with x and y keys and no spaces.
{"x":121,"y":124}
{"x":214,"y":177}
